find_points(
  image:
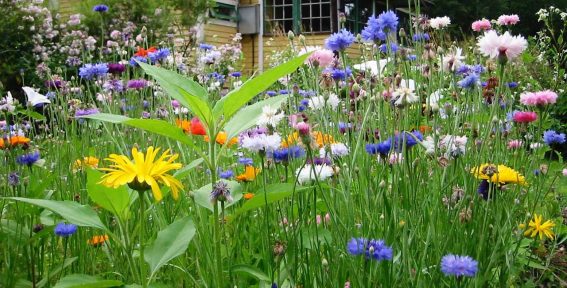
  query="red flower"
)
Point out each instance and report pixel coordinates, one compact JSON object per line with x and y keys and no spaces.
{"x":144,"y":52}
{"x":197,"y":127}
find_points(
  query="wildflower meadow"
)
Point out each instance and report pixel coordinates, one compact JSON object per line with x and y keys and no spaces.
{"x":400,"y":156}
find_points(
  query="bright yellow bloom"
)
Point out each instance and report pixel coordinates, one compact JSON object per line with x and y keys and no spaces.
{"x":88,"y":161}
{"x":143,"y":173}
{"x":502,"y":174}
{"x":535,"y":227}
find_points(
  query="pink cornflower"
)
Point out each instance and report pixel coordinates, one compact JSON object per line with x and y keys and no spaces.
{"x":515,"y":144}
{"x":493,"y":45}
{"x":481,"y":25}
{"x":321,"y":58}
{"x":564,"y":172}
{"x":524,"y":117}
{"x":506,"y":20}
{"x":538,"y":98}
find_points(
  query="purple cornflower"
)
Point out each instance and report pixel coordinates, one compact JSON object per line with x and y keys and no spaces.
{"x":246,"y":161}
{"x":512,"y":85}
{"x":91,"y":71}
{"x":13,"y":179}
{"x":551,"y":137}
{"x":221,"y":192}
{"x":483,"y":188}
{"x":339,"y":41}
{"x":206,"y":47}
{"x":469,"y":82}
{"x":455,"y":265}
{"x":28,"y":159}
{"x":65,"y":230}
{"x":159,"y":55}
{"x":411,"y":57}
{"x":271,"y":93}
{"x":113,"y":85}
{"x":418,"y":37}
{"x":137,"y":84}
{"x":116,"y":68}
{"x":286,"y":154}
{"x":84,"y":112}
{"x":236,"y":74}
{"x":54,"y":83}
{"x":101,"y":8}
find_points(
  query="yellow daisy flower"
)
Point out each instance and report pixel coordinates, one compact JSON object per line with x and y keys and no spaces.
{"x":144,"y":172}
{"x":88,"y":161}
{"x":535,"y":228}
{"x":498,"y":174}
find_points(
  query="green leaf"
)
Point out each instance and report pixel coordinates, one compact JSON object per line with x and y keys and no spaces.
{"x":202,"y":195}
{"x":159,"y":127}
{"x":185,"y":170}
{"x":81,"y":215}
{"x":114,"y":200}
{"x":85,"y":281}
{"x":233,"y":101}
{"x":55,"y":272}
{"x":249,"y":115}
{"x":276,"y":192}
{"x":32,"y":114}
{"x":312,"y":239}
{"x":170,"y":243}
{"x":188,"y":92}
{"x":252,"y":271}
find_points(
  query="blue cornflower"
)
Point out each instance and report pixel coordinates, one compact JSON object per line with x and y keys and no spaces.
{"x":338,"y":74}
{"x":388,"y":20}
{"x":483,"y":188}
{"x":512,"y":85}
{"x":28,"y":159}
{"x":217,"y":76}
{"x":478,"y":69}
{"x":101,"y":8}
{"x":159,"y":55}
{"x":463,"y":70}
{"x":412,"y":57}
{"x":381,"y":148}
{"x":236,"y":74}
{"x":356,"y":246}
{"x":385,"y":49}
{"x":284,"y":92}
{"x":65,"y":230}
{"x":455,"y":265}
{"x":271,"y":93}
{"x":339,"y":41}
{"x":301,"y":108}
{"x":551,"y":137}
{"x":133,"y":60}
{"x":227,"y":174}
{"x":373,"y":31}
{"x":378,"y":250}
{"x":418,"y":37}
{"x":286,"y":154}
{"x":206,"y":47}
{"x":91,"y":71}
{"x":246,"y":161}
{"x":410,"y":139}
{"x":470,"y":81}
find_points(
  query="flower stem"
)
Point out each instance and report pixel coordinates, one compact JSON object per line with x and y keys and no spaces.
{"x":142,"y":228}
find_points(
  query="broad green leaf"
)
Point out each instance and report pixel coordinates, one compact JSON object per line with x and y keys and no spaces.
{"x":159,"y":127}
{"x":85,"y":281}
{"x":114,"y":200}
{"x":202,"y":195}
{"x":32,"y":114}
{"x":56,"y":271}
{"x":275,"y":192}
{"x":81,"y":215}
{"x":233,"y":101}
{"x":170,"y":243}
{"x":250,"y":270}
{"x":249,"y":115}
{"x":185,"y":170}
{"x":188,"y":92}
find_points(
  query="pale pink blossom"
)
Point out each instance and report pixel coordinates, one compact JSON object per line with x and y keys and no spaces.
{"x":492,"y":45}
{"x":439,"y":22}
{"x":515,"y":144}
{"x":565,"y":172}
{"x":538,"y":98}
{"x":322,"y":58}
{"x":481,"y":25}
{"x":506,"y":20}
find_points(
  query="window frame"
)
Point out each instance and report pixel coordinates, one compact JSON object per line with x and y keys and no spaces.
{"x":297,"y":19}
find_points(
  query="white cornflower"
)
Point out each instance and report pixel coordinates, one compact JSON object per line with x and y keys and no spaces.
{"x":317,"y":103}
{"x":429,"y":144}
{"x":270,"y":117}
{"x":439,"y":22}
{"x":262,"y":142}
{"x":454,"y":60}
{"x":492,"y":45}
{"x":306,"y":174}
{"x":454,"y":145}
{"x":180,"y":110}
{"x":7,"y":103}
{"x":339,"y":149}
{"x":404,"y":96}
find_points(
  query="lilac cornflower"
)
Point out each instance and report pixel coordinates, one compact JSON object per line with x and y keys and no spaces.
{"x":339,"y":41}
{"x":284,"y":155}
{"x":221,"y":192}
{"x":13,"y":179}
{"x":470,"y":81}
{"x":101,"y":8}
{"x":159,"y":55}
{"x":113,"y":85}
{"x":246,"y":161}
{"x":85,"y":112}
{"x":385,"y":49}
{"x":411,"y":57}
{"x":206,"y":47}
{"x":91,"y":71}
{"x":116,"y":68}
{"x":418,"y":37}
{"x":137,"y":84}
{"x":65,"y":230}
{"x":551,"y":137}
{"x":28,"y":159}
{"x":455,"y":265}
{"x":133,"y":60}
{"x":55,"y":83}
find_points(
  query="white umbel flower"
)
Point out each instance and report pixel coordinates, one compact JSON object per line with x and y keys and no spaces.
{"x":270,"y":117}
{"x":306,"y":174}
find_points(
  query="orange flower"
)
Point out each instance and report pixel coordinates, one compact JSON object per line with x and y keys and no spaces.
{"x":320,"y":138}
{"x":248,"y":196}
{"x":144,"y":52}
{"x":183,"y":124}
{"x":97,"y":240}
{"x":249,"y":174}
{"x":19,"y":140}
{"x":424,"y":128}
{"x":2,"y":143}
{"x":221,"y":139}
{"x":197,"y":127}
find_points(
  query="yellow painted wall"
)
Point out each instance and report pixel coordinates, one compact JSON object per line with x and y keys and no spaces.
{"x":218,"y":34}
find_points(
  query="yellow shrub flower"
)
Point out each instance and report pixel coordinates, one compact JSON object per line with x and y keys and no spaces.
{"x":144,"y":172}
{"x":535,"y":228}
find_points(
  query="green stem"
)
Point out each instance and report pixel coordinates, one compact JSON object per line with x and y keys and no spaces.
{"x":142,"y":228}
